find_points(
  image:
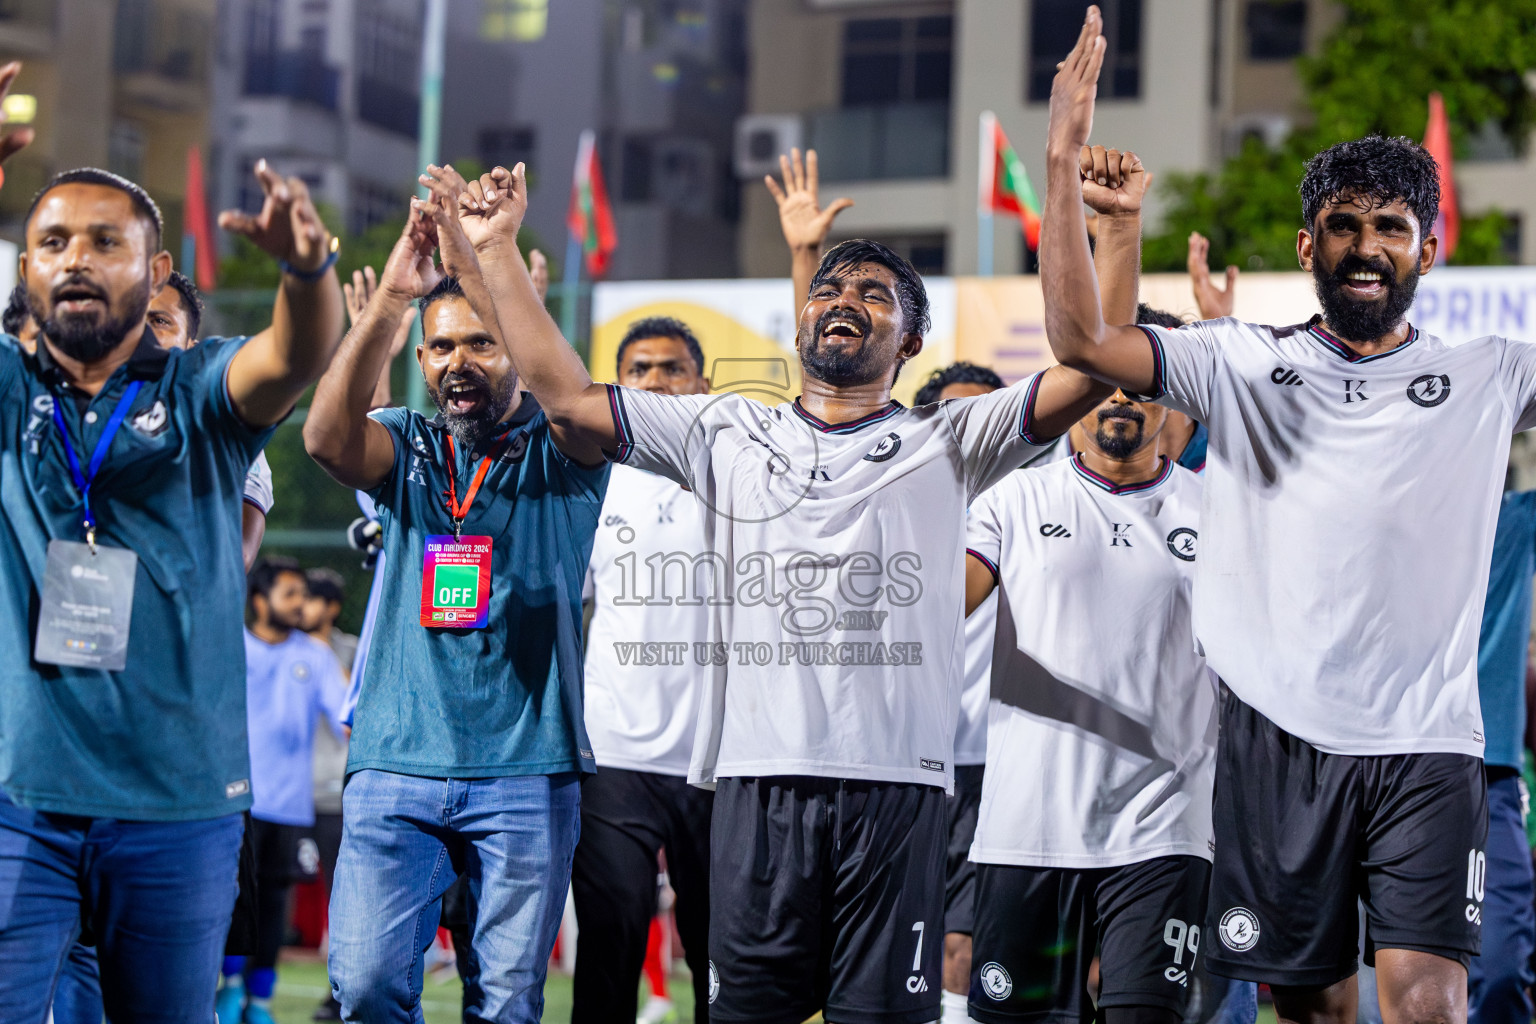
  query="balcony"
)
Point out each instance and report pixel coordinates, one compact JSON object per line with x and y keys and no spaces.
{"x":293,"y":75}
{"x":882,"y":143}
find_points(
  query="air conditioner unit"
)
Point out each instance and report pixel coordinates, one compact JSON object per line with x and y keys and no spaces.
{"x":761,"y":138}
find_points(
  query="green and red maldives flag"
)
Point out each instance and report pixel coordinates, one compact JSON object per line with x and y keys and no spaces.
{"x":1005,"y":186}
{"x":590,"y":217}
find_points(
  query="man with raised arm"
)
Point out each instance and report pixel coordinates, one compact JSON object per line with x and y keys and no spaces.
{"x":836,"y":523}
{"x":468,"y":745}
{"x":1352,"y":485}
{"x":124,"y":767}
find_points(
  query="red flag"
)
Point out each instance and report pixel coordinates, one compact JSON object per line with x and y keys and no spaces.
{"x":197,"y":224}
{"x":590,"y":217}
{"x":1005,"y":186}
{"x":1437,"y":139}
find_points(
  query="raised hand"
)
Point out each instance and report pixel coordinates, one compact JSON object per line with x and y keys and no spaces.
{"x":409,"y":272}
{"x":804,"y":222}
{"x":359,"y":292}
{"x":491,"y":210}
{"x":455,"y":244}
{"x":1075,"y":88}
{"x":1214,"y":302}
{"x":287,"y":228}
{"x":1114,"y":181}
{"x":13,"y":143}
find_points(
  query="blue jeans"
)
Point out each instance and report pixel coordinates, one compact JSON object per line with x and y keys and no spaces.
{"x":404,"y":841}
{"x":77,"y":998}
{"x":1497,"y":981}
{"x":158,"y":896}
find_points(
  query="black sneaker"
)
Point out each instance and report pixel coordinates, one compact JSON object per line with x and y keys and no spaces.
{"x":328,"y":1010}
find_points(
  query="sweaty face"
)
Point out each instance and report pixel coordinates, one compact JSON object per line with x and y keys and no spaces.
{"x":851,"y":330}
{"x":663,"y":366}
{"x":89,"y":268}
{"x":1120,"y":428}
{"x":168,"y":319}
{"x":285,"y":601}
{"x":467,"y":371}
{"x":1366,"y":265}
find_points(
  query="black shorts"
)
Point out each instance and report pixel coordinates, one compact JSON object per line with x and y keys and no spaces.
{"x":284,"y":853}
{"x":1039,"y":929}
{"x":1301,"y":836}
{"x":826,"y":895}
{"x":959,"y":873}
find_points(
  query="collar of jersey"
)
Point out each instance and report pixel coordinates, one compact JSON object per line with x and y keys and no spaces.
{"x":147,"y":362}
{"x":852,"y":426}
{"x":1338,"y":348}
{"x":1114,"y":488}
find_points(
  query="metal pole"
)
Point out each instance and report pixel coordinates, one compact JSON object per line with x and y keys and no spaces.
{"x":428,"y":142}
{"x":569,"y":289}
{"x":984,"y":244}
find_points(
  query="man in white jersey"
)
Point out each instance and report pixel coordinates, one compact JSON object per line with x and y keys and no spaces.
{"x":1102,"y":713}
{"x":1351,"y":492}
{"x":829,"y":711}
{"x":649,"y":628}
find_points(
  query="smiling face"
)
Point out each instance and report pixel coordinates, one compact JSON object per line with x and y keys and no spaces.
{"x":852,"y":331}
{"x":90,"y":268}
{"x":468,"y":372}
{"x":1366,"y":260}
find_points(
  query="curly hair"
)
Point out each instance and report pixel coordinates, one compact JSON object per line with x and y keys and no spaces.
{"x":663,"y":327}
{"x":956,"y":373}
{"x":1377,"y":169}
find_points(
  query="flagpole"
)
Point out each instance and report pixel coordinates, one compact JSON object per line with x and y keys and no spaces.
{"x":428,"y":141}
{"x":984,"y":244}
{"x":986,"y":164}
{"x":568,"y":286}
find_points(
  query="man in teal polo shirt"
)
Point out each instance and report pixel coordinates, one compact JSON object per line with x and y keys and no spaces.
{"x":123,"y":764}
{"x":467,"y":744}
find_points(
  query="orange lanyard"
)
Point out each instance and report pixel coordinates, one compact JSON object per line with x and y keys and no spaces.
{"x":455,"y":509}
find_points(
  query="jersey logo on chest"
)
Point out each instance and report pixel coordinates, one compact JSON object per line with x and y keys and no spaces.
{"x":1054,"y":530}
{"x":1430,"y":390}
{"x":1182,"y":542}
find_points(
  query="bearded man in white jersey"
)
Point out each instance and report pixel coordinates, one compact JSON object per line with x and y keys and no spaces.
{"x":1351,"y":492}
{"x":829,"y":712}
{"x":648,"y":581}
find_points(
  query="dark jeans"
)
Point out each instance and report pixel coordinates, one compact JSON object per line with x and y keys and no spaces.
{"x":157,"y":896}
{"x":1497,"y":980}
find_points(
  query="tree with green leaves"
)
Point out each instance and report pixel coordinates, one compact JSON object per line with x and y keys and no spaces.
{"x":1374,"y":73}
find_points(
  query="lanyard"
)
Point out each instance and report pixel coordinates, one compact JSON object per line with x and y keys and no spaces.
{"x":451,"y":496}
{"x":84,"y":480}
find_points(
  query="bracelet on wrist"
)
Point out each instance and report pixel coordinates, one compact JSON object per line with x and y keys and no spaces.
{"x":314,"y":275}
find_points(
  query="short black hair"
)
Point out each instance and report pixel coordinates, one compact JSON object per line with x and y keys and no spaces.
{"x":96,"y":176}
{"x":1378,"y":169}
{"x":956,"y":373}
{"x":326,"y":584}
{"x":910,"y":292}
{"x":264,"y":574}
{"x":16,"y":311}
{"x":447,"y":288}
{"x":1145,"y":314}
{"x":661,"y":327}
{"x":191,"y":302}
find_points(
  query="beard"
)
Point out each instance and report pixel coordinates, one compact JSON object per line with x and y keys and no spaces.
{"x":1116,"y":445}
{"x":470,"y":429}
{"x":1358,"y":321}
{"x":839,"y":367}
{"x":82,"y":336}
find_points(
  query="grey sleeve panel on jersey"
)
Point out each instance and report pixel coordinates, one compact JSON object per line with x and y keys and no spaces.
{"x":1185,"y":361}
{"x":995,"y":432}
{"x":668,"y":435}
{"x":258,"y":484}
{"x":1517,"y":375}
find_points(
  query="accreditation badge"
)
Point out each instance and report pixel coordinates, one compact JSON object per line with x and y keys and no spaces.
{"x":86,"y":606}
{"x":456,"y":582}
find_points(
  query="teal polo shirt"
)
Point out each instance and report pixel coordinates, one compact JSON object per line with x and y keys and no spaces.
{"x":505,"y":699}
{"x":164,"y":739}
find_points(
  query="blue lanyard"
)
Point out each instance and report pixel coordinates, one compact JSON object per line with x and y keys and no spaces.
{"x":84,"y":480}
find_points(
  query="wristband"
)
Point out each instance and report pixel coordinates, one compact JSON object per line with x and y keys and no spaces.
{"x":318,"y":272}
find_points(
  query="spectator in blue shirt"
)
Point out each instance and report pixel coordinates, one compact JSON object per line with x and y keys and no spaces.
{"x":292,"y":681}
{"x":467,"y":742}
{"x":124,"y":770}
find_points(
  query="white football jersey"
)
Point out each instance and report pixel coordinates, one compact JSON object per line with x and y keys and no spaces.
{"x":258,"y":484}
{"x":840,"y":553}
{"x":642,"y":671}
{"x":1349,"y":515}
{"x":1101,"y":731}
{"x":971,"y":730}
